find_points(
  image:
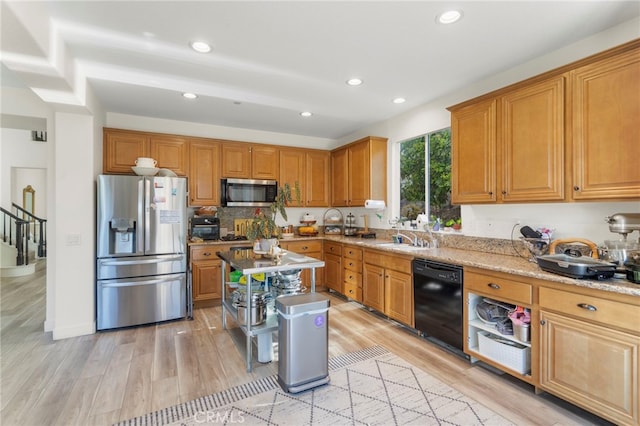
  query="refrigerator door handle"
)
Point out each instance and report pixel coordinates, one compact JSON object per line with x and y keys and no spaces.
{"x":147,"y":207}
{"x":115,"y":262}
{"x":120,"y":283}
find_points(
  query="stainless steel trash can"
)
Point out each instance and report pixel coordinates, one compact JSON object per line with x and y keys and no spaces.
{"x":303,"y":334}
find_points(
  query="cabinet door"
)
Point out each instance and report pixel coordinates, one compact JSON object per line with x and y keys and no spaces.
{"x":532,"y":142}
{"x":206,"y":280}
{"x":333,"y":272}
{"x":359,"y":176}
{"x":606,"y":135}
{"x":121,"y":149}
{"x":236,"y":160}
{"x":473,"y":156}
{"x":373,"y":287}
{"x":399,"y":296}
{"x":317,"y":179}
{"x":292,"y":170}
{"x":171,"y":152}
{"x":204,"y":173}
{"x":340,"y":173}
{"x":591,"y":366}
{"x":264,"y":162}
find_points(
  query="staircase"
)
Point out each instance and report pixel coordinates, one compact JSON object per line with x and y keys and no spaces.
{"x":23,"y":241}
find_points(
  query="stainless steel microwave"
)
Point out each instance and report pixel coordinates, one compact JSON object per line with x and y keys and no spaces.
{"x":247,"y":192}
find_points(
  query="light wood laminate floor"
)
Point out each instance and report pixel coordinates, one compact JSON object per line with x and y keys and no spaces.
{"x":111,"y":376}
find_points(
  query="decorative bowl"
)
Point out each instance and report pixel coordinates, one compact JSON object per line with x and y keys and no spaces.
{"x":145,"y":171}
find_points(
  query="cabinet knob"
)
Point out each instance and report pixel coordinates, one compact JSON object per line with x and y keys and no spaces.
{"x":494,"y":286}
{"x":576,"y":188}
{"x":587,"y":307}
{"x":543,"y":322}
{"x":206,"y":253}
{"x":305,"y":248}
{"x":490,"y":192}
{"x":504,"y":192}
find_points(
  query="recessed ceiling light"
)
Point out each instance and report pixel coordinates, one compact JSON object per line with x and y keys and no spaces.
{"x":306,"y":114}
{"x":200,"y":46}
{"x":449,"y":17}
{"x":354,"y":82}
{"x":189,"y":95}
{"x":399,"y":100}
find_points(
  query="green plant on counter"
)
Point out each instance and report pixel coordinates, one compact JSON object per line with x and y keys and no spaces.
{"x":263,"y":224}
{"x":454,"y":223}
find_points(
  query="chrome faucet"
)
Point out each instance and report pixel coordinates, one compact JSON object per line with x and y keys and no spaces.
{"x":414,"y":240}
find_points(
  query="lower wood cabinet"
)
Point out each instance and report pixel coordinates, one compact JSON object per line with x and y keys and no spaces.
{"x":352,"y":272}
{"x":590,"y":353}
{"x":388,"y":285}
{"x":333,"y":266}
{"x":206,"y":273}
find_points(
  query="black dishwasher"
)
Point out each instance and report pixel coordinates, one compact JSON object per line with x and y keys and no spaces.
{"x":438,"y":301}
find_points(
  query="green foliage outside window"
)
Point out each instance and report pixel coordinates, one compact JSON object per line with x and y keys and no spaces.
{"x":413,"y":176}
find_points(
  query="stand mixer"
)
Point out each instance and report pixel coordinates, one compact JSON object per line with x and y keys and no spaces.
{"x":617,"y":251}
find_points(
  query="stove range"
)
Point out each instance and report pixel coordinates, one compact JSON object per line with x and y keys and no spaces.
{"x":232,"y":237}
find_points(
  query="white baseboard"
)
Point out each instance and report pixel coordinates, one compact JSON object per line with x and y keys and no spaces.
{"x":74,"y":331}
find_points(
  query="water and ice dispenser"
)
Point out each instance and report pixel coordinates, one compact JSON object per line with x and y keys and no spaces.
{"x":122,"y":238}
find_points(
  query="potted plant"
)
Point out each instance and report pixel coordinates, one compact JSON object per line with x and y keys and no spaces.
{"x":263,"y":226}
{"x":454,"y":223}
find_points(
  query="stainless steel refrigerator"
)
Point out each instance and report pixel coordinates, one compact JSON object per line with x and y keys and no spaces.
{"x":141,"y":250}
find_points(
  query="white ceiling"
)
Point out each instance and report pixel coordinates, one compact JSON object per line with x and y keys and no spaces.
{"x":272,"y":60}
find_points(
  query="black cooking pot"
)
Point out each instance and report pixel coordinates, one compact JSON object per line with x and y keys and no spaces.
{"x":576,"y":266}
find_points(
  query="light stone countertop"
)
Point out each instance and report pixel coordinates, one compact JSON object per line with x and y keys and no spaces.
{"x":479,"y":259}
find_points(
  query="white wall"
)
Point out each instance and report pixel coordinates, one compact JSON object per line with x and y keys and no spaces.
{"x":133,"y":122}
{"x":18,"y":151}
{"x":569,"y":219}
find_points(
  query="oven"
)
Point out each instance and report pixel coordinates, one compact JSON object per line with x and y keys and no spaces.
{"x":438,"y":302}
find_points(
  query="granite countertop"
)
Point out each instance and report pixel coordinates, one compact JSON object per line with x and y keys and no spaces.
{"x":480,"y":259}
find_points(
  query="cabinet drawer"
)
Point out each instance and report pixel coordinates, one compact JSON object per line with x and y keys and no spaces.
{"x":353,"y":291}
{"x":498,"y":287}
{"x":388,"y":261}
{"x":352,"y":253}
{"x":333,"y":248}
{"x":351,"y":277}
{"x":304,"y":246}
{"x":352,"y":264}
{"x":204,"y":253}
{"x":591,"y":308}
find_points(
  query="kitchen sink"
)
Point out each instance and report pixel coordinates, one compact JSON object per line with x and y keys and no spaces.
{"x":403,"y":247}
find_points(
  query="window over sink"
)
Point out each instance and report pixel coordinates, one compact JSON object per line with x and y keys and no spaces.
{"x":425,"y":177}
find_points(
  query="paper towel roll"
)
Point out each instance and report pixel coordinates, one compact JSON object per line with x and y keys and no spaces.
{"x":374,"y":204}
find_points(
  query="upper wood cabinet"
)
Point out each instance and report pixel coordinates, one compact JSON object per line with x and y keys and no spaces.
{"x":359,"y":172}
{"x":473,"y":153}
{"x":204,"y":172}
{"x":606,"y":133}
{"x":311,"y":170}
{"x":513,"y":145}
{"x":510,"y":148}
{"x":123,"y":147}
{"x":250,"y":161}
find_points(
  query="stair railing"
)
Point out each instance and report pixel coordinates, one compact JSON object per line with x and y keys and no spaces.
{"x":15,"y":233}
{"x":37,"y":228}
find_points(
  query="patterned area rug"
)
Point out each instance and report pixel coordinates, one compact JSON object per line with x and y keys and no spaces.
{"x":368,"y":387}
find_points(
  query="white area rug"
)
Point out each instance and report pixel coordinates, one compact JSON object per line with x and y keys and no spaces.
{"x":368,"y":387}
